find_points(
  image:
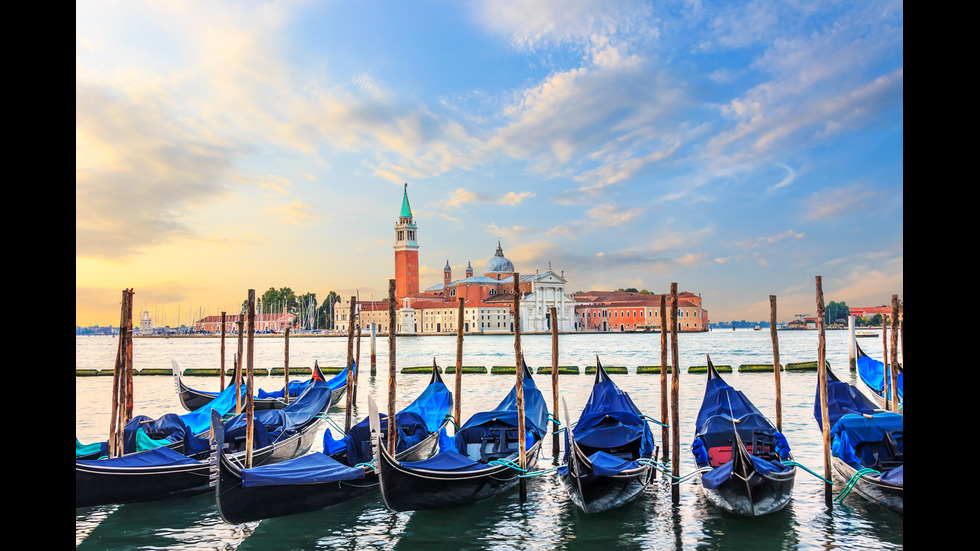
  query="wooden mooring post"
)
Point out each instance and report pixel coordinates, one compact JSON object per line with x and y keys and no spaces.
{"x":250,"y":387}
{"x":392,"y":386}
{"x":555,"y":442}
{"x":457,"y":408}
{"x":122,"y":384}
{"x":285,"y":364}
{"x":675,"y":421}
{"x":828,"y":494}
{"x":224,"y":317}
{"x":374,"y":334}
{"x":519,"y":369}
{"x":664,"y":396}
{"x":894,"y":356}
{"x":775,"y":361}
{"x":350,"y":362}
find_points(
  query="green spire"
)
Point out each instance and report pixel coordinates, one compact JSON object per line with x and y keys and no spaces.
{"x":406,"y":209}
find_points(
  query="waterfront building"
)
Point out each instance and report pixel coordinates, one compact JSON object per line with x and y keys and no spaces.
{"x":264,"y":323}
{"x":633,"y":311}
{"x":488,"y":299}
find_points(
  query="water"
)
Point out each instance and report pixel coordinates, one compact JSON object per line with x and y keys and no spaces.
{"x":548,"y":520}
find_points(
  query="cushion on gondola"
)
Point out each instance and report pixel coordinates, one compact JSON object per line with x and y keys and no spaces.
{"x":308,"y":469}
{"x":151,"y":458}
{"x":97,"y":449}
{"x":448,"y":460}
{"x":604,"y":464}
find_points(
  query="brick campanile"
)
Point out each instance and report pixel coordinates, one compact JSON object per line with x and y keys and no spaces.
{"x":406,"y":252}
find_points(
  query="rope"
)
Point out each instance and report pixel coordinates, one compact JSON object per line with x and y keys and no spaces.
{"x":452,"y":419}
{"x":553,"y":420}
{"x":655,"y":421}
{"x":526,"y":473}
{"x":853,"y":481}
{"x":795,"y":464}
{"x":368,"y":465}
{"x":666,"y":471}
{"x":332,"y":423}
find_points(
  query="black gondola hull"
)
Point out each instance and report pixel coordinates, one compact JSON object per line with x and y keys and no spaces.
{"x":238,"y":504}
{"x":755,"y":494}
{"x":106,"y":484}
{"x":101,"y":486}
{"x":595,"y":494}
{"x":871,"y":488}
{"x":415,"y":490}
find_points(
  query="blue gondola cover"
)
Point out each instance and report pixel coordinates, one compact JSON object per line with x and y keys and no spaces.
{"x":308,"y":469}
{"x":151,"y":458}
{"x":851,"y":431}
{"x":872,"y":372}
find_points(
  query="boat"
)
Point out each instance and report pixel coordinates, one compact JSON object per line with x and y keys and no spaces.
{"x":192,"y":398}
{"x":339,"y":473}
{"x":873,"y":376}
{"x":866,"y":444}
{"x":603,"y":465}
{"x":143,"y":433}
{"x":743,"y":461}
{"x":479,"y":462}
{"x":180,"y":467}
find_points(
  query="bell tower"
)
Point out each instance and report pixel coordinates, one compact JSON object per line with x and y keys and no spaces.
{"x":406,"y":252}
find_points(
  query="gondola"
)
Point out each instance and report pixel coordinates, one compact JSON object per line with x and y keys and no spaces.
{"x":866,"y":440}
{"x":336,"y":475}
{"x":166,"y":471}
{"x":739,"y":453}
{"x":477,"y":463}
{"x":193,"y":399}
{"x":873,"y":376}
{"x":602,"y":467}
{"x":144,"y":433}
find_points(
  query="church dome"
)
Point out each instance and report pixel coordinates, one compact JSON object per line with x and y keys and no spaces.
{"x":499,"y":263}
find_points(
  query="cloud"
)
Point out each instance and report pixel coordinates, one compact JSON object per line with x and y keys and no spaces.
{"x":463,"y":196}
{"x":296,"y":213}
{"x":139,"y":171}
{"x":770,"y":240}
{"x":608,"y":215}
{"x":835,"y":203}
{"x":277,"y":184}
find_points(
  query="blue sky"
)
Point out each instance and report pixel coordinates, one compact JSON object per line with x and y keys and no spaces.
{"x":737,"y":148}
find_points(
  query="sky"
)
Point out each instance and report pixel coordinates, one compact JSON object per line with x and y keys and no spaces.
{"x":737,"y":148}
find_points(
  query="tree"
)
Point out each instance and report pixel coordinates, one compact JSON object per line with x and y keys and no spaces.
{"x":836,"y":312}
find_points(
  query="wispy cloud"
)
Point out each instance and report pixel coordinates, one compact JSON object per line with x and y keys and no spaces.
{"x":462,"y":196}
{"x":839,"y":202}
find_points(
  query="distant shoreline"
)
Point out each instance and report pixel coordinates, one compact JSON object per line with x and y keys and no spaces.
{"x":364,"y":334}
